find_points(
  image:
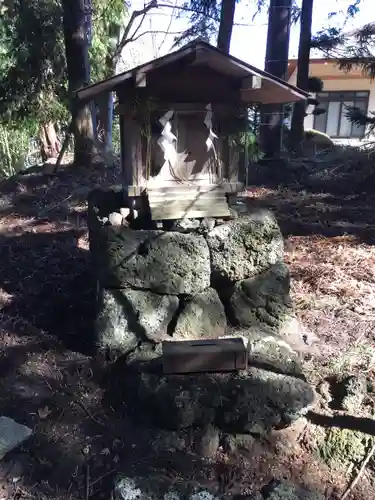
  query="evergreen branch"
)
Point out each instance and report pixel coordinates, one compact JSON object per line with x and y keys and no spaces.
{"x":201,"y":29}
{"x":359,"y":118}
{"x":364,"y":31}
{"x":327,"y":40}
{"x":107,"y":9}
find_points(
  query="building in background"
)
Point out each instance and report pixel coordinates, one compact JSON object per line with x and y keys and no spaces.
{"x":341,"y":89}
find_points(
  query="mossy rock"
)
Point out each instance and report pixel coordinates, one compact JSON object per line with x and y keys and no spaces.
{"x":202,"y":317}
{"x":162,"y":262}
{"x":284,"y":490}
{"x":354,"y":389}
{"x":251,"y":401}
{"x":158,"y":487}
{"x":270,"y":351}
{"x":126,"y":317}
{"x":244,"y":247}
{"x":264,"y":298}
{"x":341,"y":447}
{"x":320,"y":140}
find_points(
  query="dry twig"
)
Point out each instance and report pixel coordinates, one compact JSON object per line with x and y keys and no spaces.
{"x":87,"y":482}
{"x":103,"y":476}
{"x":360,"y":472}
{"x":82,"y":405}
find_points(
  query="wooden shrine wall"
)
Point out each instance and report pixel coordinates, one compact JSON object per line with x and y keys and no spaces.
{"x":199,"y":164}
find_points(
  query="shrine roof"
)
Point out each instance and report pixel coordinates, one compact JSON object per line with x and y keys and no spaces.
{"x":254,"y":85}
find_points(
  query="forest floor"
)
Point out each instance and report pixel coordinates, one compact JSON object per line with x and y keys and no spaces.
{"x":50,"y":382}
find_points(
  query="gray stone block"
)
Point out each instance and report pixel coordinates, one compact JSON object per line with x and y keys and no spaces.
{"x":245,"y":247}
{"x":202,"y":317}
{"x":154,"y":312}
{"x":127,"y":317}
{"x":264,"y":298}
{"x":271,"y":351}
{"x":163,"y":262}
{"x":12,"y":435}
{"x":112,"y":329}
{"x":253,"y":401}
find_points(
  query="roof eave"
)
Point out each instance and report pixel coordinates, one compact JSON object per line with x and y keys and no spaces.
{"x":109,"y":85}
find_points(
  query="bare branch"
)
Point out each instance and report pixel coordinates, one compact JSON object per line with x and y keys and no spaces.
{"x":169,"y":27}
{"x":187,"y":9}
{"x":138,"y":27}
{"x":149,"y":32}
{"x":124,"y":40}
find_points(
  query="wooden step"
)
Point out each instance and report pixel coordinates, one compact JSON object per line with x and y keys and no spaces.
{"x":158,"y":198}
{"x":187,"y":203}
{"x":187,"y":187}
{"x":158,"y":213}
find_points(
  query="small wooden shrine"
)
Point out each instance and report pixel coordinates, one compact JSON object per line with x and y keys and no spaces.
{"x":178,"y":114}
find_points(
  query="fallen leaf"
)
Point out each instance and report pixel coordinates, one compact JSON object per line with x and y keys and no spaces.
{"x":86,"y":449}
{"x":44,"y":412}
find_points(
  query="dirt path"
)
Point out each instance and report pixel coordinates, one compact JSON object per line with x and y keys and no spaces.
{"x":50,"y":382}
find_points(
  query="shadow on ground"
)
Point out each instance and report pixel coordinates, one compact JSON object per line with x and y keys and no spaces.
{"x":301,"y":213}
{"x":47,"y":282}
{"x":361,"y":424}
{"x":79,"y":444}
{"x":39,"y":194}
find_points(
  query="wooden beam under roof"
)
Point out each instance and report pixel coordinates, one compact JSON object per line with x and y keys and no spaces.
{"x":203,"y":54}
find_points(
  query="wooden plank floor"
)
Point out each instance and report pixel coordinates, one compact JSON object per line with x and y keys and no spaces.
{"x":190,"y":202}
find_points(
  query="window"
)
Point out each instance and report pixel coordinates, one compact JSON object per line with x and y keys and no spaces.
{"x":334,"y":121}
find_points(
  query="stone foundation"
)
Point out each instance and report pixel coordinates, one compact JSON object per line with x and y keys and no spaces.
{"x":159,"y":487}
{"x":198,"y":279}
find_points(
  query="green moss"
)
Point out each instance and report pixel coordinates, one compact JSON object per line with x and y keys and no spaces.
{"x":318,"y":137}
{"x":341,"y":447}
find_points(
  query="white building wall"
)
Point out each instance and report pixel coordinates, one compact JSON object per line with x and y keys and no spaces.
{"x":351,"y":84}
{"x":293,"y":78}
{"x":343,"y":84}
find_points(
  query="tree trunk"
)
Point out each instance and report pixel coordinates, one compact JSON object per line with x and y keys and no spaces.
{"x":50,"y":144}
{"x":228,"y":8}
{"x":105,"y":121}
{"x":277,"y":53}
{"x":105,"y":107}
{"x":76,"y":47}
{"x":299,"y":110}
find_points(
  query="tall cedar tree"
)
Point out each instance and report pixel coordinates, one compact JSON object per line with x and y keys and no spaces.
{"x":76,"y":48}
{"x":277,"y":52}
{"x":299,"y":109}
{"x":227,"y":11}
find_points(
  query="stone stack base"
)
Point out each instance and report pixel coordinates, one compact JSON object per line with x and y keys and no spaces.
{"x":201,"y":278}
